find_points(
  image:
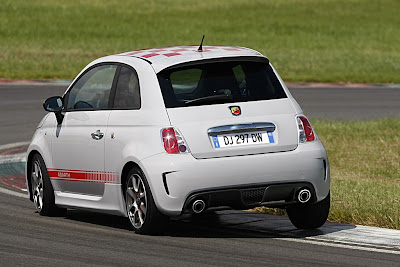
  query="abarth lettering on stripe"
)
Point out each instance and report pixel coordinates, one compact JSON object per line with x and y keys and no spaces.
{"x":83,"y":176}
{"x":64,"y":174}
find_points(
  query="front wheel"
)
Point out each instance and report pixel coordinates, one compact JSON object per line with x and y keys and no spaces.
{"x":310,"y":216}
{"x":143,"y":214}
{"x":42,"y":190}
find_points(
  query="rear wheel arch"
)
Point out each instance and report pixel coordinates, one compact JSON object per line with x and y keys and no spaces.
{"x":125,"y":171}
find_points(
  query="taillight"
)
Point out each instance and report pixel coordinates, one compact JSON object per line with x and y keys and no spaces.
{"x":306,"y":132}
{"x":173,"y":141}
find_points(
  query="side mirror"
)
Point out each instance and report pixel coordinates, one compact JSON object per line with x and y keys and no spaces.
{"x":54,"y":104}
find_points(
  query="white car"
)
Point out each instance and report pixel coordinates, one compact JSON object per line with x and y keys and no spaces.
{"x":157,"y":133}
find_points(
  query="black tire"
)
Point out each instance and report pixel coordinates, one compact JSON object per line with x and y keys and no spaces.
{"x":42,"y":190}
{"x":143,"y":214}
{"x":310,"y":216}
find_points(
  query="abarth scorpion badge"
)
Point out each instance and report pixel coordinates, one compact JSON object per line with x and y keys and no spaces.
{"x":235,"y":110}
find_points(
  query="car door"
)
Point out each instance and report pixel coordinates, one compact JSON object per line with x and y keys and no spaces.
{"x":78,"y":142}
{"x":126,"y":118}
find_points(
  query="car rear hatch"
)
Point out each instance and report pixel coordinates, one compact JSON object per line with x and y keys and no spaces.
{"x":229,"y":108}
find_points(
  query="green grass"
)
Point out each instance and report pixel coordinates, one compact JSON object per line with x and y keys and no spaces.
{"x":308,"y":40}
{"x":365,"y":171}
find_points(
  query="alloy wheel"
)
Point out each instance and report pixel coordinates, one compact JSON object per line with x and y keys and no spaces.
{"x":37,"y":185}
{"x":136,"y":201}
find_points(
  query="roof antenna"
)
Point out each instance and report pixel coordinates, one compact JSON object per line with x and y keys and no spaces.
{"x":200,"y":49}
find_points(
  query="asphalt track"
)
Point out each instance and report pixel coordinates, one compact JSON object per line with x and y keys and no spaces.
{"x":226,"y":238}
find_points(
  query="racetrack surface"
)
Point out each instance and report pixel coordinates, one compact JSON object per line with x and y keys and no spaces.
{"x":90,"y":239}
{"x":228,"y":238}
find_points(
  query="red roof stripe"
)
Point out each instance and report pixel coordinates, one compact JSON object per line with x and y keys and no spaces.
{"x":171,"y":54}
{"x":150,"y":55}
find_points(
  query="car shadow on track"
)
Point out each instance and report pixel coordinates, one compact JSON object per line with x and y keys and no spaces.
{"x":222,"y":224}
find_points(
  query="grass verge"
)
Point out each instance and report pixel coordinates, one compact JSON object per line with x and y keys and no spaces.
{"x":365,"y":171}
{"x":308,"y":40}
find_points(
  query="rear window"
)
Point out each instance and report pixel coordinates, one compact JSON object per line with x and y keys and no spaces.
{"x":219,"y":82}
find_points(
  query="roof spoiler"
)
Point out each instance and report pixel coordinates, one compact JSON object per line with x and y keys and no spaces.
{"x":261,"y":59}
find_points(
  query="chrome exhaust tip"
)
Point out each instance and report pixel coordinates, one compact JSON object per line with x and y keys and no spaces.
{"x":304,"y":195}
{"x":198,"y":206}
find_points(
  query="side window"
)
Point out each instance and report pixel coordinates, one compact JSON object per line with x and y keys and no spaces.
{"x":127,"y":94}
{"x":92,"y":90}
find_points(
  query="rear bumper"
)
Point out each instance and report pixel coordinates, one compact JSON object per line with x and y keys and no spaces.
{"x":175,"y":180}
{"x":273,"y":195}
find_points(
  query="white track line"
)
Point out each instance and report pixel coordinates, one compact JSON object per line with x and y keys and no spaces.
{"x":13,"y":145}
{"x":20,"y":157}
{"x":32,"y":84}
{"x":341,"y":245}
{"x":13,"y":193}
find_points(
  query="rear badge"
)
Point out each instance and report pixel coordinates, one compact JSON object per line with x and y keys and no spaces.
{"x":235,"y":110}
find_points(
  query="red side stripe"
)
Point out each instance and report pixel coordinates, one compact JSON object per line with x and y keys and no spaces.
{"x":83,"y":176}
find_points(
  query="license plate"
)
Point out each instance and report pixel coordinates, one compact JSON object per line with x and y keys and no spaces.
{"x":242,"y":139}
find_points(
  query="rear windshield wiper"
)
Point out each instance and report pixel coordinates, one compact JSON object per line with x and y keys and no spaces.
{"x":214,"y":99}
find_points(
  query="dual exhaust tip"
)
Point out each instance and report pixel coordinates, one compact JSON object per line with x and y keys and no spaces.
{"x":304,"y":195}
{"x":198,"y":206}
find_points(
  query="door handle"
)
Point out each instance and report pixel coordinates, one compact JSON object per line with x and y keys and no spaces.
{"x":97,"y":135}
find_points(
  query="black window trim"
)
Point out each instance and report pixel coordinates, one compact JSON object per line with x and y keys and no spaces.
{"x":112,"y":92}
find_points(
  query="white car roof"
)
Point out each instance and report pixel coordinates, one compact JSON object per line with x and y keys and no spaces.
{"x":164,"y":57}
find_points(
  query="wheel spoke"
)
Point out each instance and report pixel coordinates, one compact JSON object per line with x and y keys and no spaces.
{"x":136,"y":182}
{"x":36,"y":173}
{"x":141,"y":219}
{"x":130,"y":192}
{"x":143,"y":208}
{"x":36,"y":168}
{"x":35,"y":177}
{"x":136,"y":220}
{"x":142,"y":196}
{"x":40,"y":202}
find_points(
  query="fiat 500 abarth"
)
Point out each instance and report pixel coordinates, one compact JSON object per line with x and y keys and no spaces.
{"x":158,"y":133}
